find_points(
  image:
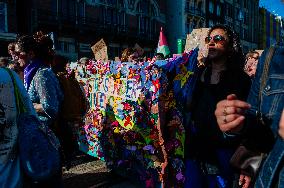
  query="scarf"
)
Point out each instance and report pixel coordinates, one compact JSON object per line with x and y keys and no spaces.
{"x":30,"y":71}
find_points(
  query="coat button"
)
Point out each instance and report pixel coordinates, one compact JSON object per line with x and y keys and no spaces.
{"x":267,"y":88}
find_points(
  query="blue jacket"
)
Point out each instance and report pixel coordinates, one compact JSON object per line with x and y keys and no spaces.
{"x":271,"y":107}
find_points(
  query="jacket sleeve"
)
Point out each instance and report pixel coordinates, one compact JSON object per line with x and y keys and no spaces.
{"x":47,"y":88}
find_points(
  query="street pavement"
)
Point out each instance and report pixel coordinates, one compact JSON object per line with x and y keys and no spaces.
{"x":89,"y":172}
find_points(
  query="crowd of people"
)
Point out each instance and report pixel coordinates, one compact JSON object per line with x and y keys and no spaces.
{"x":232,"y":102}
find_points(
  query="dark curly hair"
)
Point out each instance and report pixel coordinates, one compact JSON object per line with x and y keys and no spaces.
{"x":235,"y":55}
{"x":40,"y":43}
{"x":233,"y":74}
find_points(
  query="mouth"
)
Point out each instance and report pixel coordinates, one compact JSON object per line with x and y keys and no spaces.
{"x":211,"y":50}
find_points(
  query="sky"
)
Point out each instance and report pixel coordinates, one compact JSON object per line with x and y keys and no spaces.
{"x":273,"y":5}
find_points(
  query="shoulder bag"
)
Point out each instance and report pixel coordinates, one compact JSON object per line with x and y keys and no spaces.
{"x":39,"y":157}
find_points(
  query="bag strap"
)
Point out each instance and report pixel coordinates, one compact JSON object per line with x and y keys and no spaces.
{"x":265,"y":74}
{"x":19,"y":101}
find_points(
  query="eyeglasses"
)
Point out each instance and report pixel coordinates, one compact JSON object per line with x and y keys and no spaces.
{"x":21,"y":55}
{"x":216,"y":39}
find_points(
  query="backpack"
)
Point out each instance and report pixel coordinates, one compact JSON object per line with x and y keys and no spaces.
{"x":74,"y":105}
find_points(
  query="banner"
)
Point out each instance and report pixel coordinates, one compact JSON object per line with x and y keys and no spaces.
{"x":135,"y":123}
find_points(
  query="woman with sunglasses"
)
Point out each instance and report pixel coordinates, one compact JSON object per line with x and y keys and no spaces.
{"x":35,"y":55}
{"x":208,"y":150}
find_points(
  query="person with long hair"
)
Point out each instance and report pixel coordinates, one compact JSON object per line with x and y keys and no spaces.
{"x":208,"y":150}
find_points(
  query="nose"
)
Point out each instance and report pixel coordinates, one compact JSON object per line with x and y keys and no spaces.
{"x":211,"y":43}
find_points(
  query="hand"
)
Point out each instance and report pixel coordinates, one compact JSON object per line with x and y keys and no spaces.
{"x":38,"y":107}
{"x":244,"y":181}
{"x":281,"y":126}
{"x":230,"y":113}
{"x":202,"y":56}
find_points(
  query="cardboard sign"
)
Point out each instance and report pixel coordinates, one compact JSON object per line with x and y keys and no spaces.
{"x":139,"y":50}
{"x":100,"y":50}
{"x":196,"y":39}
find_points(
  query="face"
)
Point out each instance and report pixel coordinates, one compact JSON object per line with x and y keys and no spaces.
{"x":251,"y":64}
{"x":217,"y":43}
{"x":133,"y":57}
{"x":21,"y":56}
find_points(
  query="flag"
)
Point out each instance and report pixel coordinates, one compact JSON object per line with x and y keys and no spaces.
{"x":162,"y":44}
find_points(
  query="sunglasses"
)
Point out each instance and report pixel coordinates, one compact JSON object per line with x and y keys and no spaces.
{"x":216,"y":39}
{"x":21,"y":55}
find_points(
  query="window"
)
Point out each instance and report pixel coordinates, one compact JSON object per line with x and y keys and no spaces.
{"x":144,"y":24}
{"x":66,"y":45}
{"x":245,"y":4}
{"x":121,"y":18}
{"x":211,"y":7}
{"x":3,"y":17}
{"x":111,"y":2}
{"x":218,"y":10}
{"x":82,"y":12}
{"x":110,"y":16}
{"x":121,"y":3}
{"x":211,"y":23}
{"x":144,"y":7}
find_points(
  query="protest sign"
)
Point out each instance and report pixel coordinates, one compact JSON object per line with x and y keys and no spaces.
{"x":196,"y":39}
{"x":139,"y":50}
{"x":132,"y":105}
{"x":100,"y":50}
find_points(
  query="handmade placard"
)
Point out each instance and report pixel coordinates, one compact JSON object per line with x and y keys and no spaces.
{"x":135,"y":124}
{"x":196,"y":39}
{"x":100,"y":50}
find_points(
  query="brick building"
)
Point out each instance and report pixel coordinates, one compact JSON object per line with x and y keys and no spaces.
{"x":77,"y":24}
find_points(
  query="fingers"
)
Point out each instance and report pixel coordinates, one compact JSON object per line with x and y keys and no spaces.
{"x":234,"y":126}
{"x":232,"y":107}
{"x":229,"y":113}
{"x":232,"y":100}
{"x":244,"y":181}
{"x":241,"y":180}
{"x":232,"y":97}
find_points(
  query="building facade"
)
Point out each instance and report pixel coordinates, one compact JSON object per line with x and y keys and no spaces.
{"x":241,"y":15}
{"x":186,"y":15}
{"x":270,"y":28}
{"x":182,"y":17}
{"x":8,"y":28}
{"x":78,"y":24}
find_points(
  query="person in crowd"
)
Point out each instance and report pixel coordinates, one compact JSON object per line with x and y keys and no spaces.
{"x":251,"y":63}
{"x":11,"y":172}
{"x":129,"y":55}
{"x":68,"y":126}
{"x":239,"y":114}
{"x":160,"y":56}
{"x":35,"y":55}
{"x":207,"y":151}
{"x":11,"y":51}
{"x":4,"y":62}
